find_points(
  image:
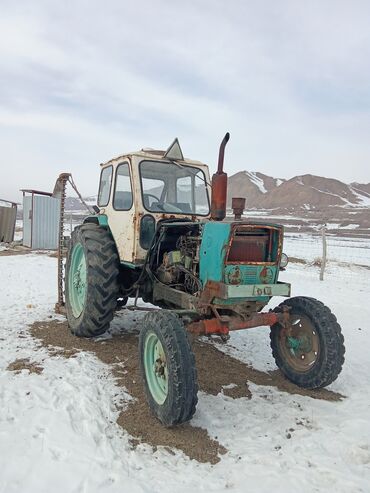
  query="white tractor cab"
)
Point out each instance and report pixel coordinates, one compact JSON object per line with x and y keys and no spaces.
{"x":141,"y":188}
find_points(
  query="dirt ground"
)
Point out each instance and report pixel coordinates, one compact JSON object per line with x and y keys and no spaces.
{"x":11,"y":252}
{"x":21,"y":250}
{"x":25,"y":364}
{"x":217,"y":372}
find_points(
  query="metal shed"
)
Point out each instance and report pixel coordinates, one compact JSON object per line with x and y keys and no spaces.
{"x":41,"y":214}
{"x":8,"y":217}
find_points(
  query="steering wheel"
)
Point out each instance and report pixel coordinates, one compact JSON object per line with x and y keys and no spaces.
{"x":151,"y":195}
{"x":158,"y":204}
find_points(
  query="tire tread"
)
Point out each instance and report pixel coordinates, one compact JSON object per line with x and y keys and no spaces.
{"x":102,"y":281}
{"x":330,"y":363}
{"x":182,"y":363}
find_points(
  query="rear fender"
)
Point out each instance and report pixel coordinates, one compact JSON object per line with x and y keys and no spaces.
{"x":100,"y":219}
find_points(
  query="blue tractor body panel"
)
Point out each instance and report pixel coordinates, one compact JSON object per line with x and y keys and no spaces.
{"x":244,"y":281}
{"x":213,"y":251}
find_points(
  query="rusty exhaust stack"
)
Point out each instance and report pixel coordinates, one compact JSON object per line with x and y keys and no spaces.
{"x":219,"y":185}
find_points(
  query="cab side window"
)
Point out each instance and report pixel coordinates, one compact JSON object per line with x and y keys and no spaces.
{"x":123,"y":191}
{"x":104,"y":187}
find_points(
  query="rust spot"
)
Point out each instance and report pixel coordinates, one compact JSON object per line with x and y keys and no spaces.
{"x":222,"y":327}
{"x":238,"y":206}
{"x":234,"y":276}
{"x":211,"y":290}
{"x":208,"y":327}
{"x":266,"y":275}
{"x":167,"y":216}
{"x":219,"y":193}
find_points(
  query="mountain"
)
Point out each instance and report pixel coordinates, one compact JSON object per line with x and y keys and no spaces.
{"x":362,"y":187}
{"x":304,"y":192}
{"x":75,"y":204}
{"x":307,"y":192}
{"x":253,"y":185}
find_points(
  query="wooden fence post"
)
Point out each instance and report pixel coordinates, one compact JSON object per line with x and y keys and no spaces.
{"x":324,"y":252}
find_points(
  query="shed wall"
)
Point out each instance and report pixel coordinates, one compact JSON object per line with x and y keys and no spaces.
{"x":27,"y":220}
{"x":45,"y":222}
{"x":8,"y":217}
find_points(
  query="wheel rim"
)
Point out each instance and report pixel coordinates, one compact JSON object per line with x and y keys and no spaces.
{"x":77,"y":280}
{"x":155,"y":365}
{"x":301,"y":348}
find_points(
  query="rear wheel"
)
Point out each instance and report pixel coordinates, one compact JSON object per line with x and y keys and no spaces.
{"x":91,"y":282}
{"x":168,"y":368}
{"x":312,"y":354}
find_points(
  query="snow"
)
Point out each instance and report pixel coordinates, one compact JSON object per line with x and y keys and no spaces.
{"x":256,"y":181}
{"x":363,"y":197}
{"x":254,"y":212}
{"x":346,"y":201}
{"x":58,"y":430}
{"x":91,"y":200}
{"x":351,"y":226}
{"x":332,"y":225}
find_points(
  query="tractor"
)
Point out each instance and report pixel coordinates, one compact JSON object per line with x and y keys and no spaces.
{"x":160,"y":233}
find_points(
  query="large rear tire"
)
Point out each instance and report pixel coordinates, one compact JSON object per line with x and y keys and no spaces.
{"x":168,"y":368}
{"x":91,"y":283}
{"x":313,"y":354}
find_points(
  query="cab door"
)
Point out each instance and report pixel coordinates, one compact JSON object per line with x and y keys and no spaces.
{"x":121,"y":212}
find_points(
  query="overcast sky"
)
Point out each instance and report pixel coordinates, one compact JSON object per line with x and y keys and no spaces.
{"x":84,"y":81}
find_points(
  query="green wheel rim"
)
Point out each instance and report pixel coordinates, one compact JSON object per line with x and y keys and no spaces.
{"x":155,"y":365}
{"x":77,"y":282}
{"x":301,"y":349}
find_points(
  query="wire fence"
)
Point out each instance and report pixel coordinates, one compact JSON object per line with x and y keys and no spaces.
{"x":342,"y":255}
{"x":305,"y":248}
{"x":349,"y":254}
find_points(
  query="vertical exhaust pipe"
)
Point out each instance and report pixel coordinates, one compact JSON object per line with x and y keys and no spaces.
{"x":219,"y":185}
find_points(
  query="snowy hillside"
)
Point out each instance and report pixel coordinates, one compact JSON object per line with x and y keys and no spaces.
{"x":306,"y":192}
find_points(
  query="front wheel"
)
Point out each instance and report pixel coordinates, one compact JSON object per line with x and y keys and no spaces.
{"x":312,"y":354}
{"x":168,"y":368}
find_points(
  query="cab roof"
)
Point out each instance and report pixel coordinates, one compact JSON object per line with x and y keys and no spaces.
{"x":152,"y":154}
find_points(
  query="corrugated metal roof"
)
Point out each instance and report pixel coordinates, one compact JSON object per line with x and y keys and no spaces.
{"x":36,"y":192}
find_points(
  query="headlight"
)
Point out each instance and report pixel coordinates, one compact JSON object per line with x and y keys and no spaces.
{"x":284,"y":260}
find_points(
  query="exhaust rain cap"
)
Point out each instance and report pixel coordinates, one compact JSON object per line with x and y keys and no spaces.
{"x":174,"y":152}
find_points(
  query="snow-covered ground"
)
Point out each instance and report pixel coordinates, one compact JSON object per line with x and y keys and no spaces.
{"x":58,"y":430}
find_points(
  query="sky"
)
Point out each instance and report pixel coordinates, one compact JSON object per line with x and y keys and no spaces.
{"x":84,"y":81}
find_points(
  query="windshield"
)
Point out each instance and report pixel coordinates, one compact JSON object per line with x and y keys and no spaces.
{"x":171,"y":187}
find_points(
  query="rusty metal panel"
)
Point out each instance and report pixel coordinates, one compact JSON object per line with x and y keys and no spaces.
{"x":249,"y":249}
{"x":255,"y":244}
{"x":8,"y":216}
{"x":219,"y":185}
{"x":174,"y":296}
{"x":45,"y":222}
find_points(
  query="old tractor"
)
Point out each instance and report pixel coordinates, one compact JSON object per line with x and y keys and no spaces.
{"x":160,"y":233}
